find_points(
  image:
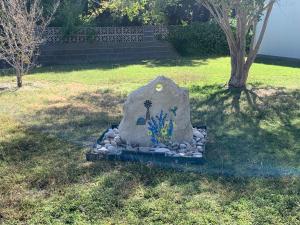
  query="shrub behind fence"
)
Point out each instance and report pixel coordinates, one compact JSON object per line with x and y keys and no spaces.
{"x":199,"y":39}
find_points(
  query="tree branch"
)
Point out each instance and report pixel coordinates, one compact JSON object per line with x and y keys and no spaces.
{"x":253,"y":52}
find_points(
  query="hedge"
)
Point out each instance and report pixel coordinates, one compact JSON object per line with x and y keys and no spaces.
{"x":199,"y":39}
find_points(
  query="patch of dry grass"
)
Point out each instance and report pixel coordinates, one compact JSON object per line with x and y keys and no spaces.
{"x":47,"y":126}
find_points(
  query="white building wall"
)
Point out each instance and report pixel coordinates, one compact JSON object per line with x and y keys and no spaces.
{"x":282,"y":37}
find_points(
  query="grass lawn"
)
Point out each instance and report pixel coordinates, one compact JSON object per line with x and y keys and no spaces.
{"x":252,"y":174}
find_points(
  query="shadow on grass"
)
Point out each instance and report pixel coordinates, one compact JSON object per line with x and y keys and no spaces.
{"x":277,"y":61}
{"x":182,"y":61}
{"x":50,"y":148}
{"x":251,"y":133}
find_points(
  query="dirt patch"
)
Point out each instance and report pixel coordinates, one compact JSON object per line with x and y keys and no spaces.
{"x":266,"y":92}
{"x":76,"y":87}
{"x":9,"y":86}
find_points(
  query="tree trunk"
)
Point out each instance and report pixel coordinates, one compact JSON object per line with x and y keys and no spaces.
{"x":239,"y":72}
{"x":19,"y":80}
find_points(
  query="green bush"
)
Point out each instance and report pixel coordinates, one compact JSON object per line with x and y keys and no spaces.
{"x":199,"y":39}
{"x":69,"y":16}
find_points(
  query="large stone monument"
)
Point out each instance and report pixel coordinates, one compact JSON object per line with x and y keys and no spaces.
{"x":157,"y":113}
{"x":156,"y":122}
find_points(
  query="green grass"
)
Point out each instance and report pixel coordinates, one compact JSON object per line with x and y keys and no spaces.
{"x":253,"y":154}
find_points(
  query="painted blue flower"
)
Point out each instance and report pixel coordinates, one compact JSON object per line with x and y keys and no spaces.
{"x":160,"y":129}
{"x":171,"y":128}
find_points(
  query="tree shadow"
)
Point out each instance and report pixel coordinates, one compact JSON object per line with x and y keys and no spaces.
{"x":181,"y":61}
{"x":80,"y":119}
{"x":59,"y":133}
{"x":49,"y":154}
{"x":269,"y":60}
{"x":3,"y":88}
{"x":57,"y":137}
{"x":251,"y":132}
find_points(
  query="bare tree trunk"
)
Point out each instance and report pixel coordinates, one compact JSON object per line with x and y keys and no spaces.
{"x":19,"y":79}
{"x":239,"y":72}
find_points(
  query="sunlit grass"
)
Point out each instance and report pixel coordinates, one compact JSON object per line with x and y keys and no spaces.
{"x":47,"y":126}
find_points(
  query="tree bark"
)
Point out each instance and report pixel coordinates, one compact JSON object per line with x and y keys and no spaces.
{"x":19,"y":80}
{"x":246,"y":19}
{"x":239,"y":72}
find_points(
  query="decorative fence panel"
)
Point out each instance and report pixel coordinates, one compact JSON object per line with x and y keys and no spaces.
{"x":54,"y":35}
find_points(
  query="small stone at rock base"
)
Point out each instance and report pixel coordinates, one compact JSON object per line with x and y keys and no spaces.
{"x":113,"y":143}
{"x":189,"y":154}
{"x":203,"y":131}
{"x":198,"y":155}
{"x":170,"y":153}
{"x":145,"y":149}
{"x":169,"y":143}
{"x":106,"y":141}
{"x":175,"y":147}
{"x":188,"y":146}
{"x":118,"y":140}
{"x":200,"y":144}
{"x":110,"y":134}
{"x":175,"y":144}
{"x":182,"y":146}
{"x":161,"y":145}
{"x":199,"y":148}
{"x":101,"y":150}
{"x":162,"y":150}
{"x":116,"y":130}
{"x":107,"y":145}
{"x":111,"y":148}
{"x":182,"y":150}
{"x":129,"y":148}
{"x":197,"y":134}
{"x":135,"y":145}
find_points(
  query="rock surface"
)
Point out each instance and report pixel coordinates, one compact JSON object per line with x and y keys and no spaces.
{"x":161,"y":94}
{"x":162,"y":150}
{"x":173,"y":149}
